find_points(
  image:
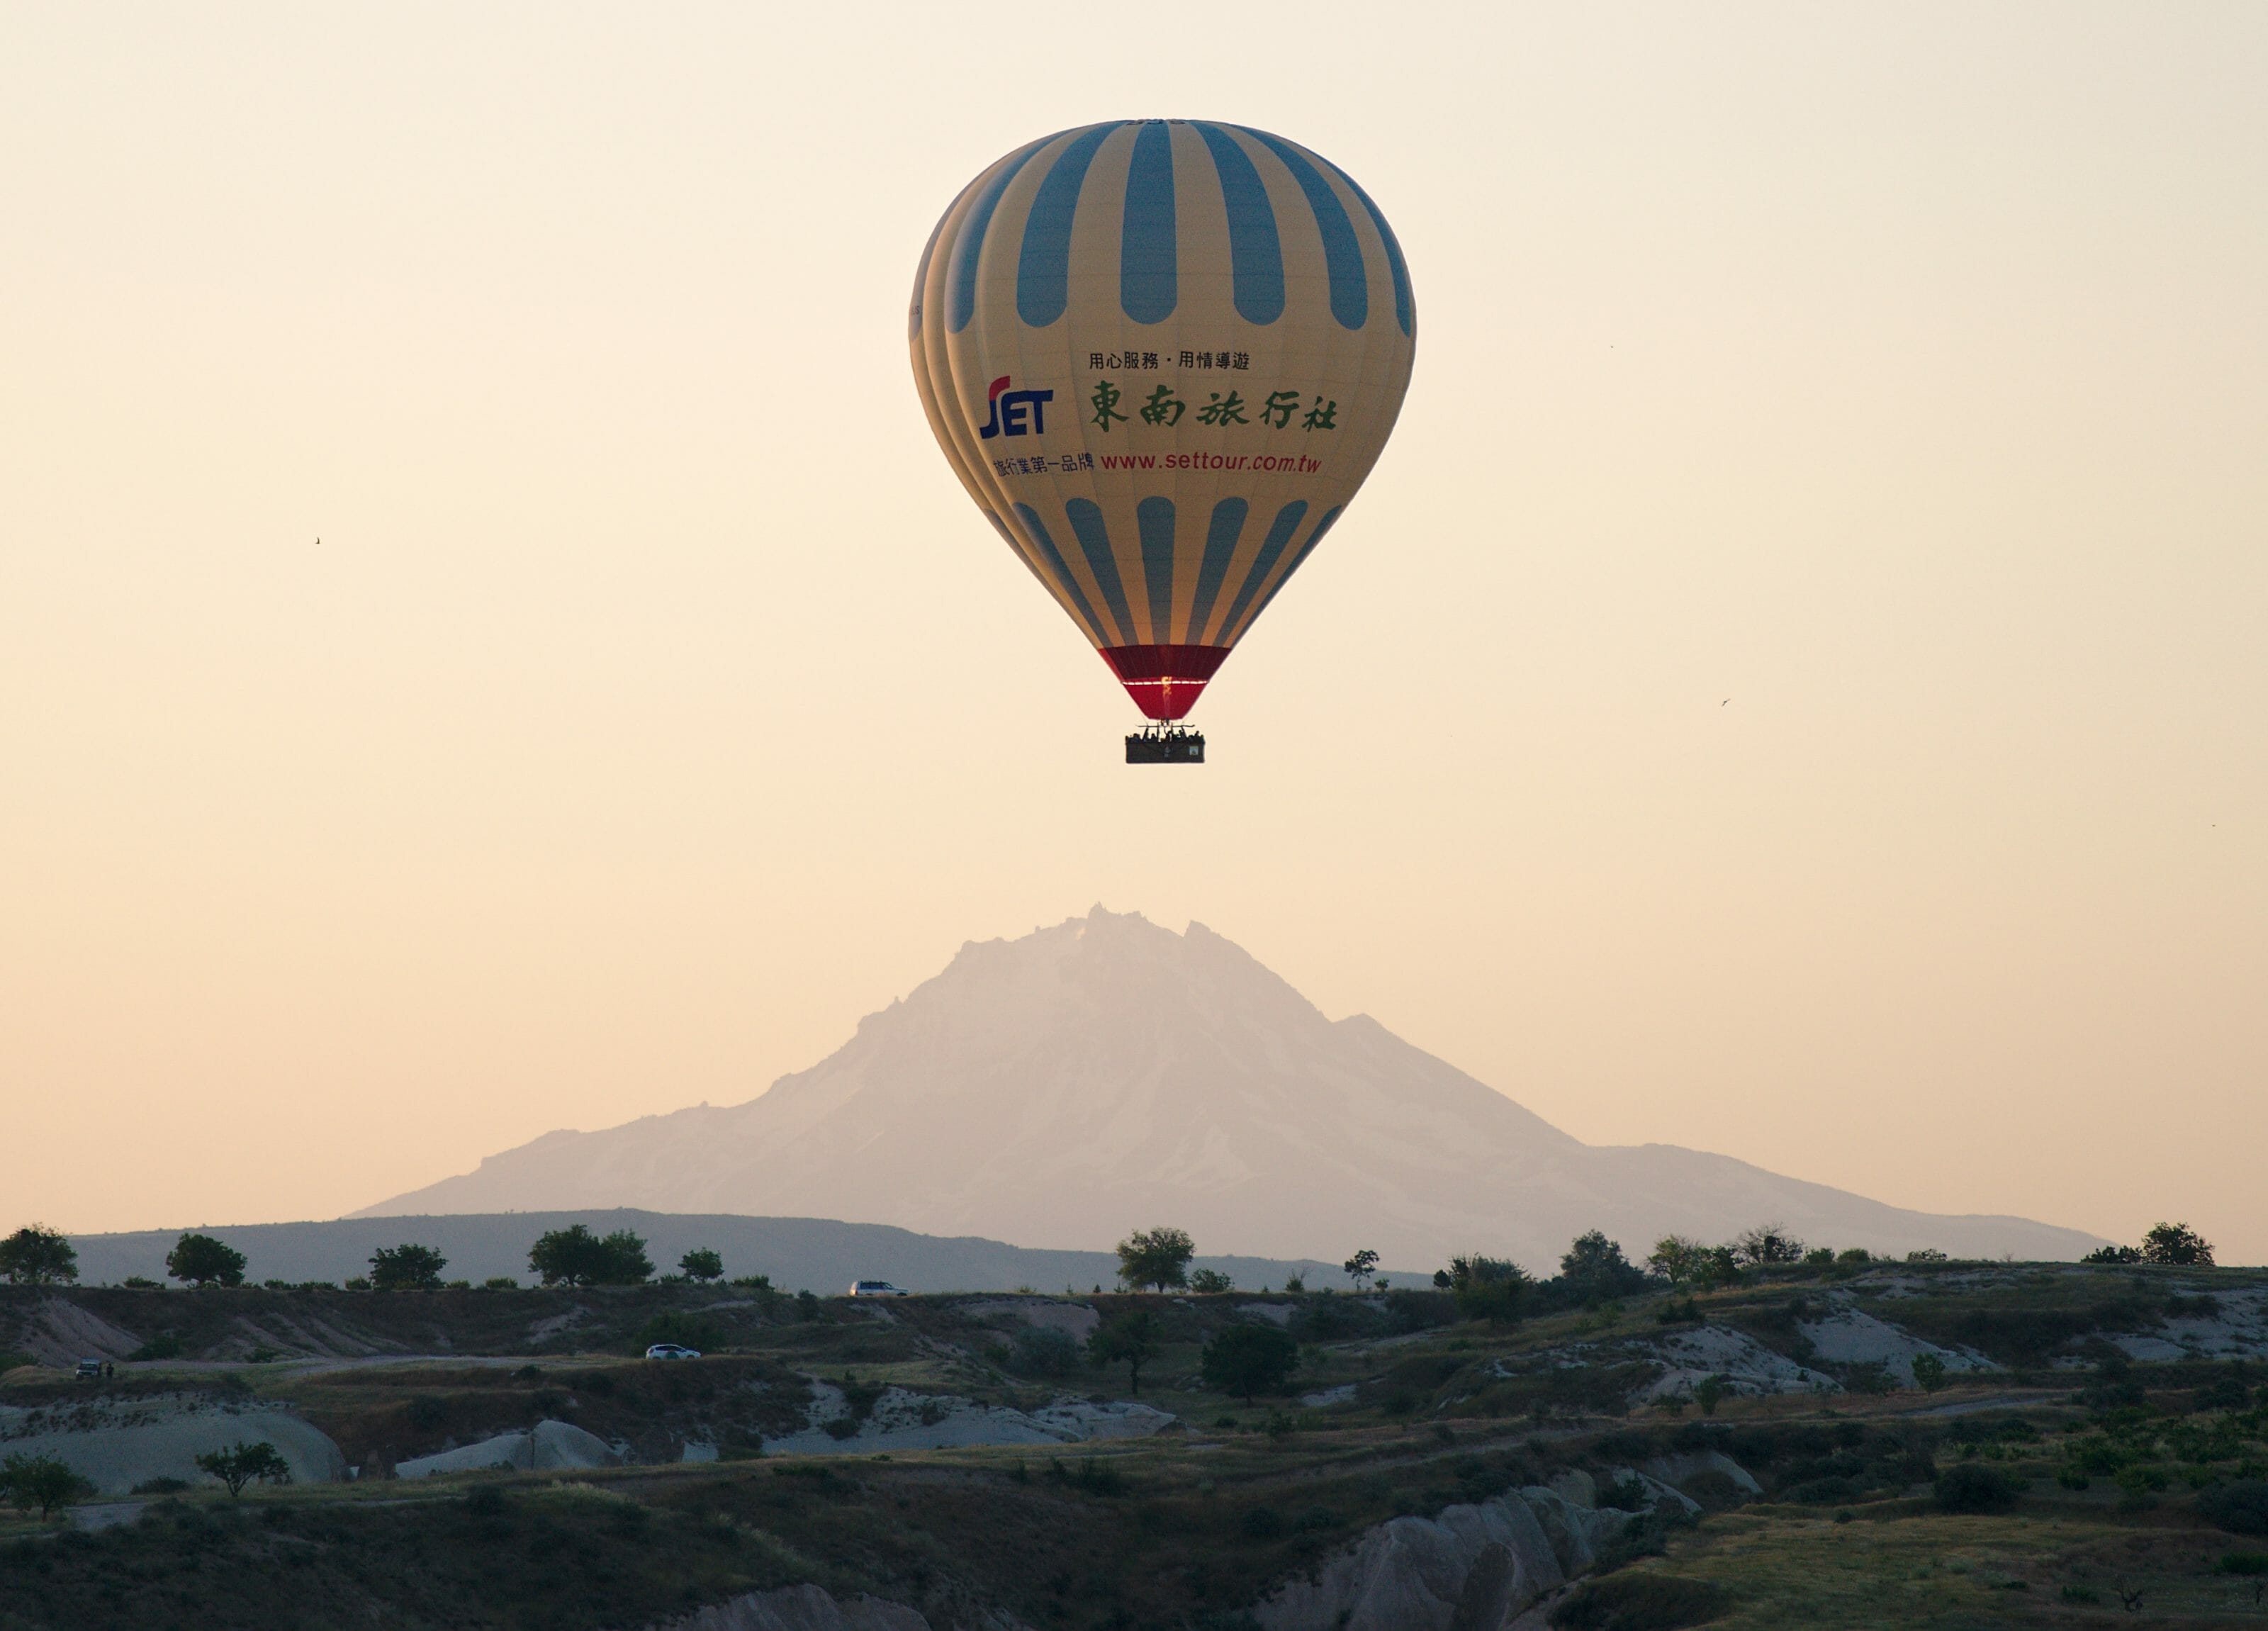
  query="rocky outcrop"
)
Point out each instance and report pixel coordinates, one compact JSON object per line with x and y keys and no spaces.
{"x":117,"y":1444}
{"x":1470,"y":1569}
{"x":549,"y":1444}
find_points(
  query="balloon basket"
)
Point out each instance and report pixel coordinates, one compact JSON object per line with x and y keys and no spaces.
{"x":1166,"y":744}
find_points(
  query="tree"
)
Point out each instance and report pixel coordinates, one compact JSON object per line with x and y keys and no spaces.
{"x":1490,"y":1289}
{"x":1928,"y":1372}
{"x":1708,"y":1392}
{"x":1360,"y":1266}
{"x":1249,"y":1359}
{"x":405,"y":1268}
{"x":1133,"y":1338}
{"x":1675,"y":1257}
{"x":242,"y":1464}
{"x":1155,"y":1257}
{"x":573,"y":1255}
{"x":43,"y":1482}
{"x":1767,"y":1243}
{"x":200,"y":1260}
{"x":37,"y":1255}
{"x":2176,"y":1245}
{"x":702,"y":1263}
{"x":2113,"y":1254}
{"x":1595,"y":1268}
{"x":1210,"y":1282}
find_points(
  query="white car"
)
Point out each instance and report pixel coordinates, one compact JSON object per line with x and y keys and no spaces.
{"x":670,"y":1350}
{"x":876,"y":1288}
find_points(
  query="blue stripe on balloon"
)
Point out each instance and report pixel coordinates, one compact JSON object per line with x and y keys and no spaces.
{"x":1255,"y":256}
{"x":1038,"y":529}
{"x":1405,"y":315}
{"x":1287,"y":521}
{"x":1043,"y":268}
{"x":1155,"y":519}
{"x":1148,"y":286}
{"x":1342,"y":254}
{"x":1299,"y":560}
{"x":970,"y":245}
{"x":1094,"y":540}
{"x":1227,"y":527}
{"x":921,"y":278}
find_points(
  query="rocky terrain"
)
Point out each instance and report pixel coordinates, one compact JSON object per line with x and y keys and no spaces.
{"x":1770,"y":1453}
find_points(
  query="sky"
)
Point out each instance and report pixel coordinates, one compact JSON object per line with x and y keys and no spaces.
{"x":1795,"y":684}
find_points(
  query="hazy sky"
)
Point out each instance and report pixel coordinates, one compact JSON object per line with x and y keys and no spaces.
{"x":656,"y":703}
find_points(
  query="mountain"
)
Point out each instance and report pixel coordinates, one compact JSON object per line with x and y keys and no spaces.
{"x":815,"y":1254}
{"x":1107,"y":1074}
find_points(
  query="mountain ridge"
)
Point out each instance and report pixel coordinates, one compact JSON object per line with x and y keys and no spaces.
{"x":1106,"y":1073}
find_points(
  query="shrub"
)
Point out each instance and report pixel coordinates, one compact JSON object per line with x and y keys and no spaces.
{"x":1854,"y":1255}
{"x":1262,"y":1523}
{"x":200,"y":1260}
{"x":138,"y":1282}
{"x":164,"y":1347}
{"x":500,"y":1282}
{"x":574,"y":1256}
{"x":1249,"y":1359}
{"x":1594,"y":1269}
{"x":406,"y":1268}
{"x":1820,"y":1255}
{"x":1158,"y":1257}
{"x":2176,"y":1245}
{"x":2241,"y":1508}
{"x":1928,"y":1372}
{"x":1975,"y":1487}
{"x":242,"y":1463}
{"x":43,"y":1482}
{"x":37,"y":1255}
{"x":1767,"y":1244}
{"x":1640,"y":1602}
{"x":1134,"y":1337}
{"x":702,"y":1264}
{"x":2243,"y":1563}
{"x":1210,"y":1282}
{"x":1044,"y":1351}
{"x":1490,"y":1289}
{"x":2112,"y":1254}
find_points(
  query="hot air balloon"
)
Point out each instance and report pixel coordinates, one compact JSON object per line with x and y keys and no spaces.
{"x":1161,"y":355}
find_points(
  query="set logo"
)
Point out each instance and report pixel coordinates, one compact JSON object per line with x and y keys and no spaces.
{"x":1011,"y":408}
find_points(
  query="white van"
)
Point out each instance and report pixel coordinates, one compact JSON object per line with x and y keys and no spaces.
{"x":876,"y":1288}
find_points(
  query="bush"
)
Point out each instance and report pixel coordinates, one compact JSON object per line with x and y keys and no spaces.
{"x":1640,"y":1602}
{"x":1159,"y":1258}
{"x":1594,"y":1269}
{"x":2176,"y":1245}
{"x":1249,"y":1359}
{"x":702,"y":1264}
{"x":2112,"y":1254}
{"x":166,"y":1346}
{"x":37,"y":1255}
{"x":2241,"y":1508}
{"x":1210,"y":1282}
{"x":1928,"y":1372}
{"x":2243,"y":1563}
{"x":574,"y":1256}
{"x":406,"y":1268}
{"x":1490,"y":1289}
{"x":200,"y":1260}
{"x":43,"y":1482}
{"x":1975,"y":1487}
{"x":242,"y":1463}
{"x":499,"y":1282}
{"x":1044,"y":1351}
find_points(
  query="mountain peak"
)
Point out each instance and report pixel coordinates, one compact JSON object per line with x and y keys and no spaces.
{"x":1061,"y":1088}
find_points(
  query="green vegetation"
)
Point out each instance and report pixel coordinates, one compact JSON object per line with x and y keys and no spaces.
{"x":2046,"y":1491}
{"x":702,"y":1264}
{"x":37,"y":1256}
{"x":1156,"y":1258}
{"x":41,"y":1482}
{"x":200,"y":1260}
{"x":243,"y":1463}
{"x":405,"y":1268}
{"x":574,"y":1256}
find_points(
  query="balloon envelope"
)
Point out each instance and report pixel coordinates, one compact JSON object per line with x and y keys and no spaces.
{"x":1161,"y":355}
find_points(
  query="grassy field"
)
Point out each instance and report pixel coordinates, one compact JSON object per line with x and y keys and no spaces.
{"x":2105,"y":1472}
